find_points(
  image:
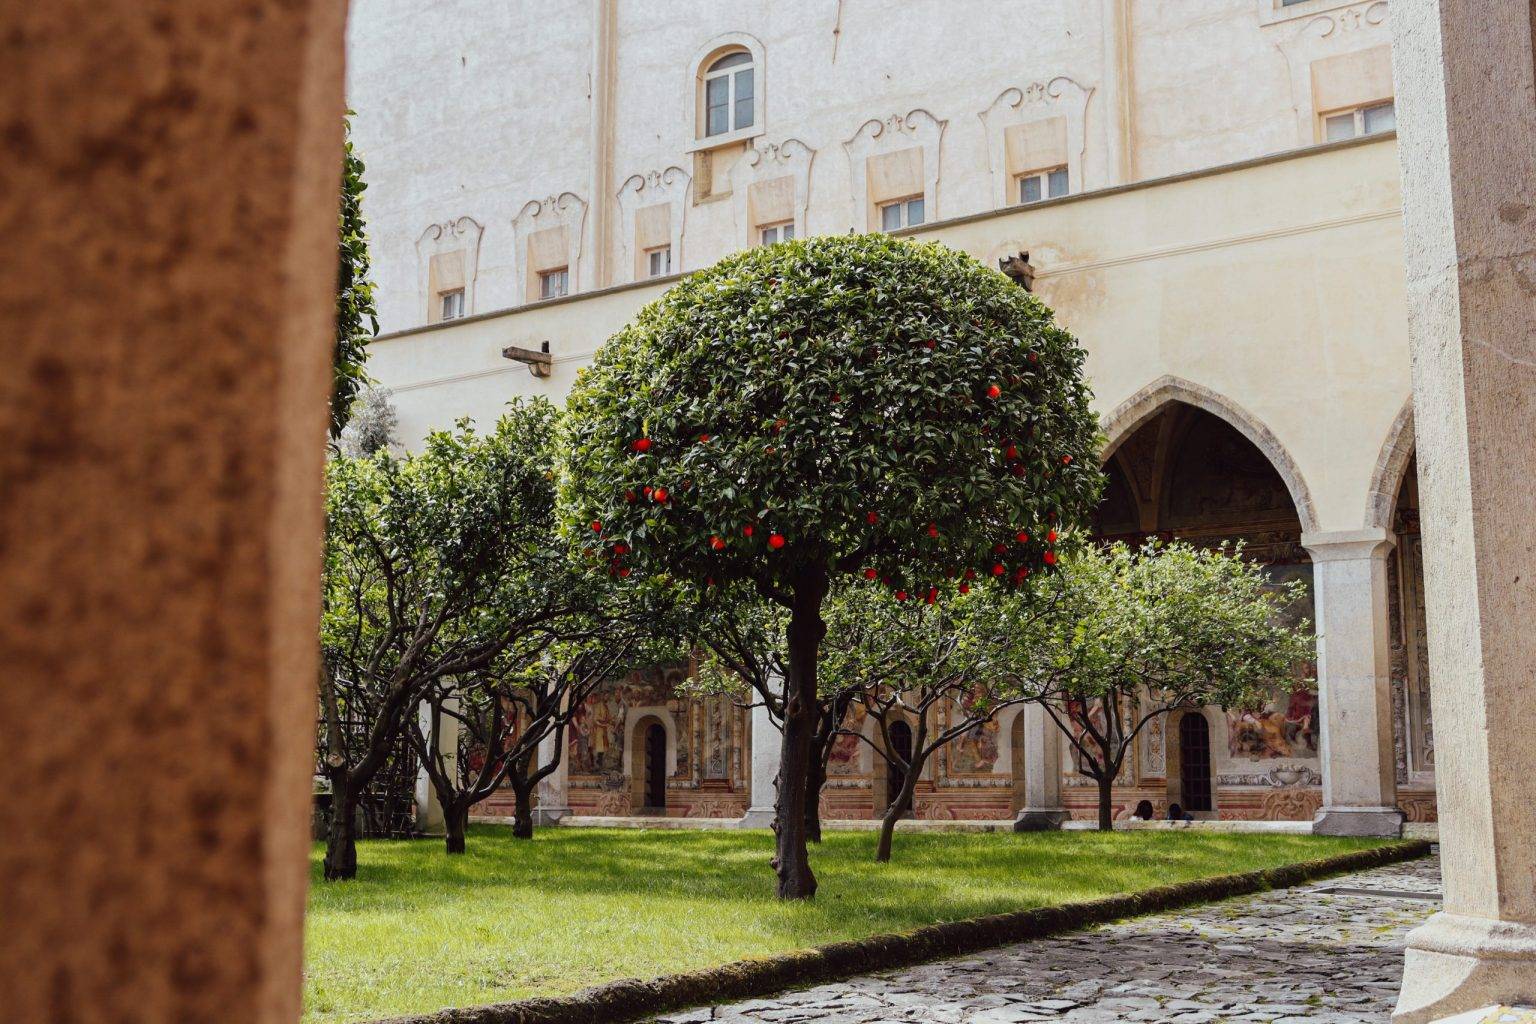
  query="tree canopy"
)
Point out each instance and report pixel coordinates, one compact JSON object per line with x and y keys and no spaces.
{"x":867,"y":404}
{"x":1132,"y":634}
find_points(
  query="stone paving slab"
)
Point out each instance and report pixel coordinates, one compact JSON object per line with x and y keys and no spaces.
{"x":1292,"y":956}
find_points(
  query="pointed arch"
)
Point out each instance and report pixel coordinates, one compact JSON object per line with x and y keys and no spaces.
{"x":1391,"y":465}
{"x":1124,"y":420}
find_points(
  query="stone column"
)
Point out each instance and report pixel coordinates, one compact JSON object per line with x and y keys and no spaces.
{"x":1354,"y":683}
{"x":554,"y":791}
{"x":442,"y":735}
{"x":169,"y":301}
{"x":1043,"y":809}
{"x":1467,"y":142}
{"x":767,"y":747}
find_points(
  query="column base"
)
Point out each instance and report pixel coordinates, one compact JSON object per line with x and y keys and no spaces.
{"x":1455,"y":963}
{"x":1359,"y":821}
{"x":1040,"y":819}
{"x":757,"y":817}
{"x":544,"y":816}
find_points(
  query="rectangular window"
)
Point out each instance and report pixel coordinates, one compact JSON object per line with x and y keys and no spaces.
{"x":772,"y":233}
{"x":1347,"y":124}
{"x":1380,"y":118}
{"x":1339,"y":126}
{"x":743,"y":97}
{"x":717,"y":103}
{"x":452,"y":304}
{"x":554,"y":283}
{"x":1047,"y":184}
{"x":659,"y":261}
{"x":903,"y":213}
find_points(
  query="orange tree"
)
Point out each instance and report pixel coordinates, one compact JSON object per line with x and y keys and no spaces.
{"x":824,"y":408}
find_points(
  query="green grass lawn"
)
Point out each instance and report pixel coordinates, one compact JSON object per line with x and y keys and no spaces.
{"x":418,"y":930}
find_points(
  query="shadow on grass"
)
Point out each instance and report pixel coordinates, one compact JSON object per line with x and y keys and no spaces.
{"x":932,"y":878}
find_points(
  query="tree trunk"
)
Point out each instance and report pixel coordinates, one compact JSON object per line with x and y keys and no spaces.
{"x":341,"y":833}
{"x":455,"y":824}
{"x":1106,"y":809}
{"x":791,"y":857}
{"x":522,"y":812}
{"x":900,"y":804}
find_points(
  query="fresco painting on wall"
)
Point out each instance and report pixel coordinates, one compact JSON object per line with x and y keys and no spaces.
{"x":844,"y":757}
{"x":597,"y":728}
{"x":975,"y":750}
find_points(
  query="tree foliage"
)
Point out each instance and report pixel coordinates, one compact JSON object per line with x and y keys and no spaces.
{"x":356,"y":317}
{"x":436,"y":565}
{"x":1131,"y":635}
{"x":860,"y":403}
{"x":826,"y":408}
{"x":941,"y":669}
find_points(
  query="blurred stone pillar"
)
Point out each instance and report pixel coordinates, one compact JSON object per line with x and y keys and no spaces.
{"x":1354,"y":683}
{"x":1467,"y":124}
{"x":167,"y":291}
{"x":1043,"y":809}
{"x":767,"y":748}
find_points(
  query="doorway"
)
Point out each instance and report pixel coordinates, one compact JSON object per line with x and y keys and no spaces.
{"x":895,"y":775}
{"x":1195,"y":762}
{"x":655,"y":801}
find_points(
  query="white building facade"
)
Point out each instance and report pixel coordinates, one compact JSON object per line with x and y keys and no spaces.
{"x":1208,"y":192}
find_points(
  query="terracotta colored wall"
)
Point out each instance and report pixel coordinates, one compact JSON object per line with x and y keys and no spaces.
{"x":167,"y":200}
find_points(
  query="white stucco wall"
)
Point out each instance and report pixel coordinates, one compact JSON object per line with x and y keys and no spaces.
{"x":474,"y":108}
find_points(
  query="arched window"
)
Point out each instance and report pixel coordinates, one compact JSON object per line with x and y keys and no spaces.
{"x":730,"y":93}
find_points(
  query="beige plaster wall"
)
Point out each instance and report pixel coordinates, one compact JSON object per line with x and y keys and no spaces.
{"x":1277,"y":286}
{"x":469,"y":108}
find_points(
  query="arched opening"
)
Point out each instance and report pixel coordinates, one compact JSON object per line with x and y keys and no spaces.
{"x":1195,"y":763}
{"x":1184,"y":473}
{"x":895,"y":776}
{"x":648,"y":767}
{"x":1412,"y":722}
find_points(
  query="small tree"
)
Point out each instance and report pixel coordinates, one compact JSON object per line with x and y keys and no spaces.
{"x":356,"y":316}
{"x":436,"y":565}
{"x":940,"y":669}
{"x":1133,"y":635}
{"x":508,"y":711}
{"x":822,"y":409}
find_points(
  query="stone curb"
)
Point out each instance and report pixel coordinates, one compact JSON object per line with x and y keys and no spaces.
{"x":631,"y":999}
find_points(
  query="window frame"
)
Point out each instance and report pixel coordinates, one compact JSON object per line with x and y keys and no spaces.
{"x":784,"y":231}
{"x":1044,"y":176}
{"x":904,"y":204}
{"x":546,"y":276}
{"x":698,"y":72}
{"x":1357,"y":115}
{"x":443,"y":298}
{"x":665,"y":252}
{"x":730,"y":75}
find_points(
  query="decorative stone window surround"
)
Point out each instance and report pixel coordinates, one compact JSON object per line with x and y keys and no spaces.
{"x":881,"y":157}
{"x":439,"y":272}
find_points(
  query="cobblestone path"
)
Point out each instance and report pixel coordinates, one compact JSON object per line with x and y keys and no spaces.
{"x":1323,"y":953}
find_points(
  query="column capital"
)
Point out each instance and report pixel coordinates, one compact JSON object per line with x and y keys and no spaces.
{"x":1348,"y":545}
